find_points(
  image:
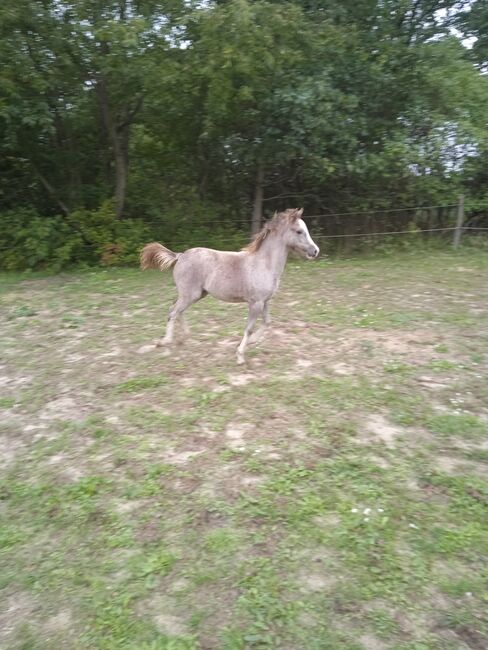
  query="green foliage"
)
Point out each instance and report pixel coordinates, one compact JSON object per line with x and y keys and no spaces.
{"x":32,"y":241}
{"x":122,"y":122}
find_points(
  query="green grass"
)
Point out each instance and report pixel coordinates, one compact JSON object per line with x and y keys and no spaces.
{"x":329,"y":496}
{"x":139,"y":384}
{"x":460,"y":425}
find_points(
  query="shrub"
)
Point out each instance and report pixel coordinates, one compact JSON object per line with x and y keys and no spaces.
{"x":32,"y":241}
{"x":112,"y":241}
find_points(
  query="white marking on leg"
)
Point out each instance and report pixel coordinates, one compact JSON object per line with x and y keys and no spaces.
{"x":184,"y":326}
{"x":255,"y":310}
{"x":168,"y":337}
{"x":242,"y":348}
{"x":257,"y":336}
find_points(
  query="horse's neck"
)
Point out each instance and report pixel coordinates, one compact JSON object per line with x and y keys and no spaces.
{"x":273,"y":254}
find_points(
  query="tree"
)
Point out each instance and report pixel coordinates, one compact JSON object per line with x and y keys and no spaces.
{"x":75,"y":70}
{"x":189,"y":113}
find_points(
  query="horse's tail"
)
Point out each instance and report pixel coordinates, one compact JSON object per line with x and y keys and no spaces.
{"x":157,"y":256}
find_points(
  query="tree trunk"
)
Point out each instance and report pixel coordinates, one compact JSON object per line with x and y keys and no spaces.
{"x":257,"y":211}
{"x":119,"y":140}
{"x":121,"y":151}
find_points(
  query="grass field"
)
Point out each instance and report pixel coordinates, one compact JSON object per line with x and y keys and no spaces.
{"x":332,"y":495}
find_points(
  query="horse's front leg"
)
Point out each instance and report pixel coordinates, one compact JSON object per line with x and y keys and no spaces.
{"x":255,"y":309}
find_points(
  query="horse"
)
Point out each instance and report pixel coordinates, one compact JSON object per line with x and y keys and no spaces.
{"x":250,"y":275}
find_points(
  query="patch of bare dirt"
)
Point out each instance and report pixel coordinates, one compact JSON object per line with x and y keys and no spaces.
{"x":252,"y":481}
{"x":240,"y":379}
{"x":236,"y":434}
{"x":371,"y":642}
{"x":315,"y":580}
{"x":5,"y":380}
{"x":380,"y":461}
{"x":473,"y":638}
{"x":10,"y":447}
{"x":59,"y":622}
{"x":377,"y":428}
{"x":434,"y":383}
{"x":15,"y":610}
{"x":304,"y":363}
{"x":414,"y":346}
{"x":227,"y":480}
{"x":61,"y":408}
{"x":327,"y":522}
{"x":458,"y":465}
{"x":181,"y":457}
{"x":341,"y":368}
{"x":145,"y":349}
{"x":348,"y":352}
{"x":318,"y":571}
{"x":165,"y":614}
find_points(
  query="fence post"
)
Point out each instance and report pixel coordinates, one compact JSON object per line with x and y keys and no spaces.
{"x":459,"y":223}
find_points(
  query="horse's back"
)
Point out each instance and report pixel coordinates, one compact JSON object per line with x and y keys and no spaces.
{"x":207,"y":258}
{"x":220,"y":273}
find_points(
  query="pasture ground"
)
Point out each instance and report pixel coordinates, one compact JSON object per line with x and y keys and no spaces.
{"x":332,"y":495}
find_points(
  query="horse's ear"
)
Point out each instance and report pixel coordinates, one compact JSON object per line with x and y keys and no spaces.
{"x":299,"y":212}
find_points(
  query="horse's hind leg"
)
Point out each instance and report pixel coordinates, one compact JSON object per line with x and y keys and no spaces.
{"x":255,"y":309}
{"x":176,"y":313}
{"x":257,"y":336}
{"x":184,"y":326}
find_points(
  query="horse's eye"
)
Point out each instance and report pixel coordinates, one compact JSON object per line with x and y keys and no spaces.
{"x":299,"y":232}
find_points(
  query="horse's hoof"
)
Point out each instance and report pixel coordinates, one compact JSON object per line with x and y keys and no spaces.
{"x":147,"y":348}
{"x":240,"y":360}
{"x":162,"y":342}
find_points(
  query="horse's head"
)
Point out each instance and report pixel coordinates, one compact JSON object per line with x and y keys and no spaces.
{"x":297,"y":237}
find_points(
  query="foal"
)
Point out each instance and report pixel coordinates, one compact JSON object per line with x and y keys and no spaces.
{"x":251,"y":275}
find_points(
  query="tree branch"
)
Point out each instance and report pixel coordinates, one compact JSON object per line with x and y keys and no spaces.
{"x":51,"y":191}
{"x":64,"y":208}
{"x":131,"y":115}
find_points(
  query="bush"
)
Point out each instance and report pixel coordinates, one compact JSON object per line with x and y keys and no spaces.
{"x":32,"y":241}
{"x":112,"y":241}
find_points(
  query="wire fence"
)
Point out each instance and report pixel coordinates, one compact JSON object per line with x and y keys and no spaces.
{"x":386,"y":232}
{"x":338,"y":227}
{"x":342,"y":226}
{"x":382,"y":211}
{"x":332,"y":214}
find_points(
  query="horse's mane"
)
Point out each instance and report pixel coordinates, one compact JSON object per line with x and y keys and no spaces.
{"x":279,"y":218}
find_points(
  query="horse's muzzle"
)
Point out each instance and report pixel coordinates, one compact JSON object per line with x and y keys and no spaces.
{"x":312,"y":253}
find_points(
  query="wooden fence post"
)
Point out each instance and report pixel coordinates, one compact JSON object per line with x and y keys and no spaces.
{"x":459,"y":223}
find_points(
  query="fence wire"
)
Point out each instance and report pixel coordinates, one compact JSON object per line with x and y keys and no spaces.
{"x":388,"y":232}
{"x":239,"y":235}
{"x":325,"y":214}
